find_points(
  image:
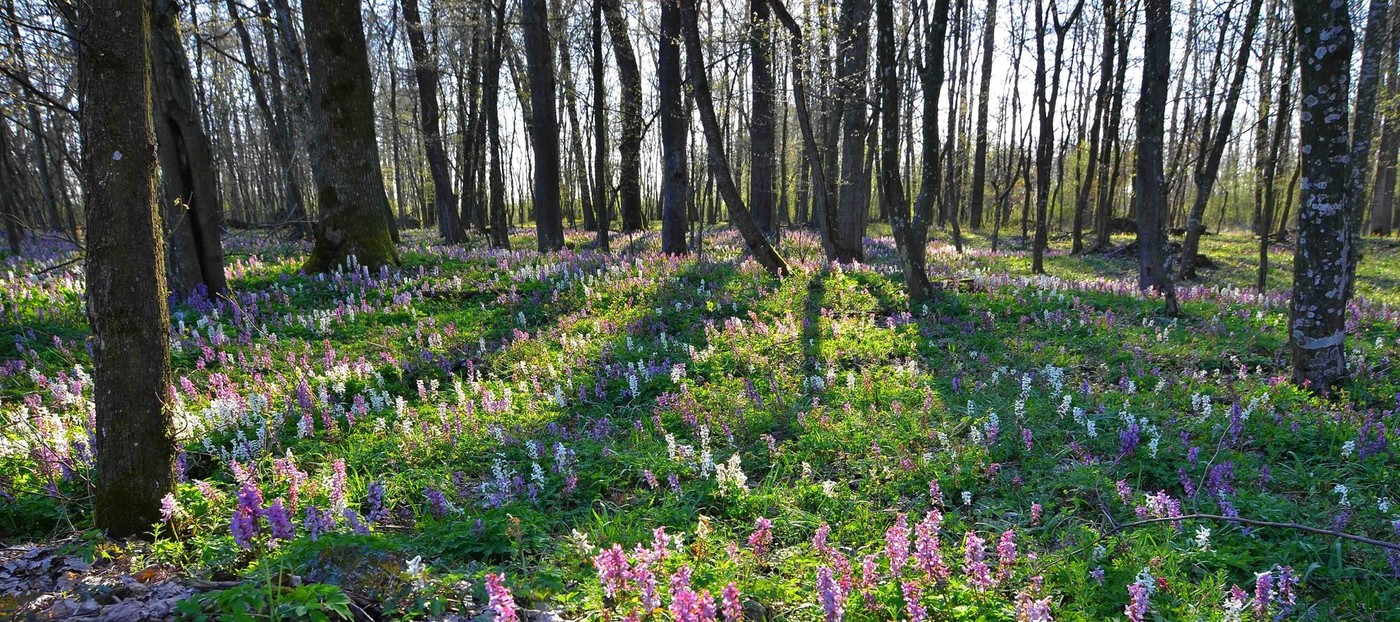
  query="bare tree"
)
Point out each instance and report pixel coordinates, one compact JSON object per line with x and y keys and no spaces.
{"x":1047,"y":92}
{"x":762,"y":137}
{"x":425,"y":71}
{"x":739,"y":215}
{"x":911,"y":257}
{"x":629,"y":144}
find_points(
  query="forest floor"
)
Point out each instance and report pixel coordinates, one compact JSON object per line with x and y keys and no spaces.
{"x":604,"y":436}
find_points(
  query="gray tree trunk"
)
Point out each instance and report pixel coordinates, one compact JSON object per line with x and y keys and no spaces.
{"x":1149,"y":184}
{"x":544,"y":127}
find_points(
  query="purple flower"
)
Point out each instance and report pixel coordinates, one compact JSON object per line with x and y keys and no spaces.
{"x":1036,"y":512}
{"x":819,"y":540}
{"x":169,"y":507}
{"x":278,"y":521}
{"x":897,"y":544}
{"x":1031,"y":609}
{"x":245,"y":516}
{"x":912,"y":594}
{"x":974,"y":562}
{"x":613,"y":570}
{"x":1028,"y":437}
{"x":926,"y":551}
{"x":831,"y":597}
{"x":1139,"y":601}
{"x":374,"y":498}
{"x":762,"y":537}
{"x":732,"y":608}
{"x":1097,"y":574}
{"x":1263,"y":593}
{"x":501,"y":600}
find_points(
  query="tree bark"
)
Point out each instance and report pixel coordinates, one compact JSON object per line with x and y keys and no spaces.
{"x":490,"y":104}
{"x":762,"y":156}
{"x":544,"y":127}
{"x":192,"y":212}
{"x":675,"y":128}
{"x":1317,"y":312}
{"x":1383,"y":193}
{"x":135,"y":435}
{"x":1363,"y":123}
{"x":979,"y":158}
{"x":853,"y":43}
{"x":1149,"y":183}
{"x":739,"y":215}
{"x":425,"y":71}
{"x":629,"y":144}
{"x":351,"y":197}
{"x":600,"y":132}
{"x":911,"y":257}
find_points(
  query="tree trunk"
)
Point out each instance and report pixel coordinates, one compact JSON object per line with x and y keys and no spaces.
{"x":1317,"y":312}
{"x":544,"y":128}
{"x":984,"y":90}
{"x":1149,"y":183}
{"x":135,"y":434}
{"x":580,"y":160}
{"x":1281,"y":127}
{"x":600,"y":132}
{"x":193,"y":212}
{"x":739,"y":215}
{"x":1363,"y":122}
{"x":1209,"y":168}
{"x":425,"y":71}
{"x":853,"y":43}
{"x":761,"y":120}
{"x":911,"y":259}
{"x":629,"y":144}
{"x":1383,"y":193}
{"x":675,"y":128}
{"x":351,"y":197}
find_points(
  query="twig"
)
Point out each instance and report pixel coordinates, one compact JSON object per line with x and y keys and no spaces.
{"x":1258,"y":523}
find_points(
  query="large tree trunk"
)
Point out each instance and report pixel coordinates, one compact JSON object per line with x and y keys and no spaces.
{"x":739,"y":215}
{"x":762,"y":135}
{"x":629,"y":144}
{"x":1317,"y":312}
{"x":351,"y":196}
{"x":1047,"y":91}
{"x":821,"y":195}
{"x":1208,"y":168}
{"x":425,"y":71}
{"x":544,"y":128}
{"x":1149,"y":183}
{"x":911,"y":261}
{"x":193,"y":213}
{"x":135,"y":435}
{"x":675,"y":128}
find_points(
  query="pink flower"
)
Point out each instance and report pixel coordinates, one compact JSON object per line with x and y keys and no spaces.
{"x":912,"y":594}
{"x":501,"y":600}
{"x":926,"y":547}
{"x":1036,"y":512}
{"x":974,"y":562}
{"x":733,"y":609}
{"x":819,"y":540}
{"x":1006,"y":553}
{"x":897,"y":544}
{"x":613,"y":570}
{"x":1031,"y":609}
{"x":762,"y":537}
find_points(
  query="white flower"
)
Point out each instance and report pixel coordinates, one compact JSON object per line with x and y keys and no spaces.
{"x":1203,"y":537}
{"x":1383,"y":504}
{"x":1348,"y":448}
{"x":967,"y":497}
{"x":1342,"y":490}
